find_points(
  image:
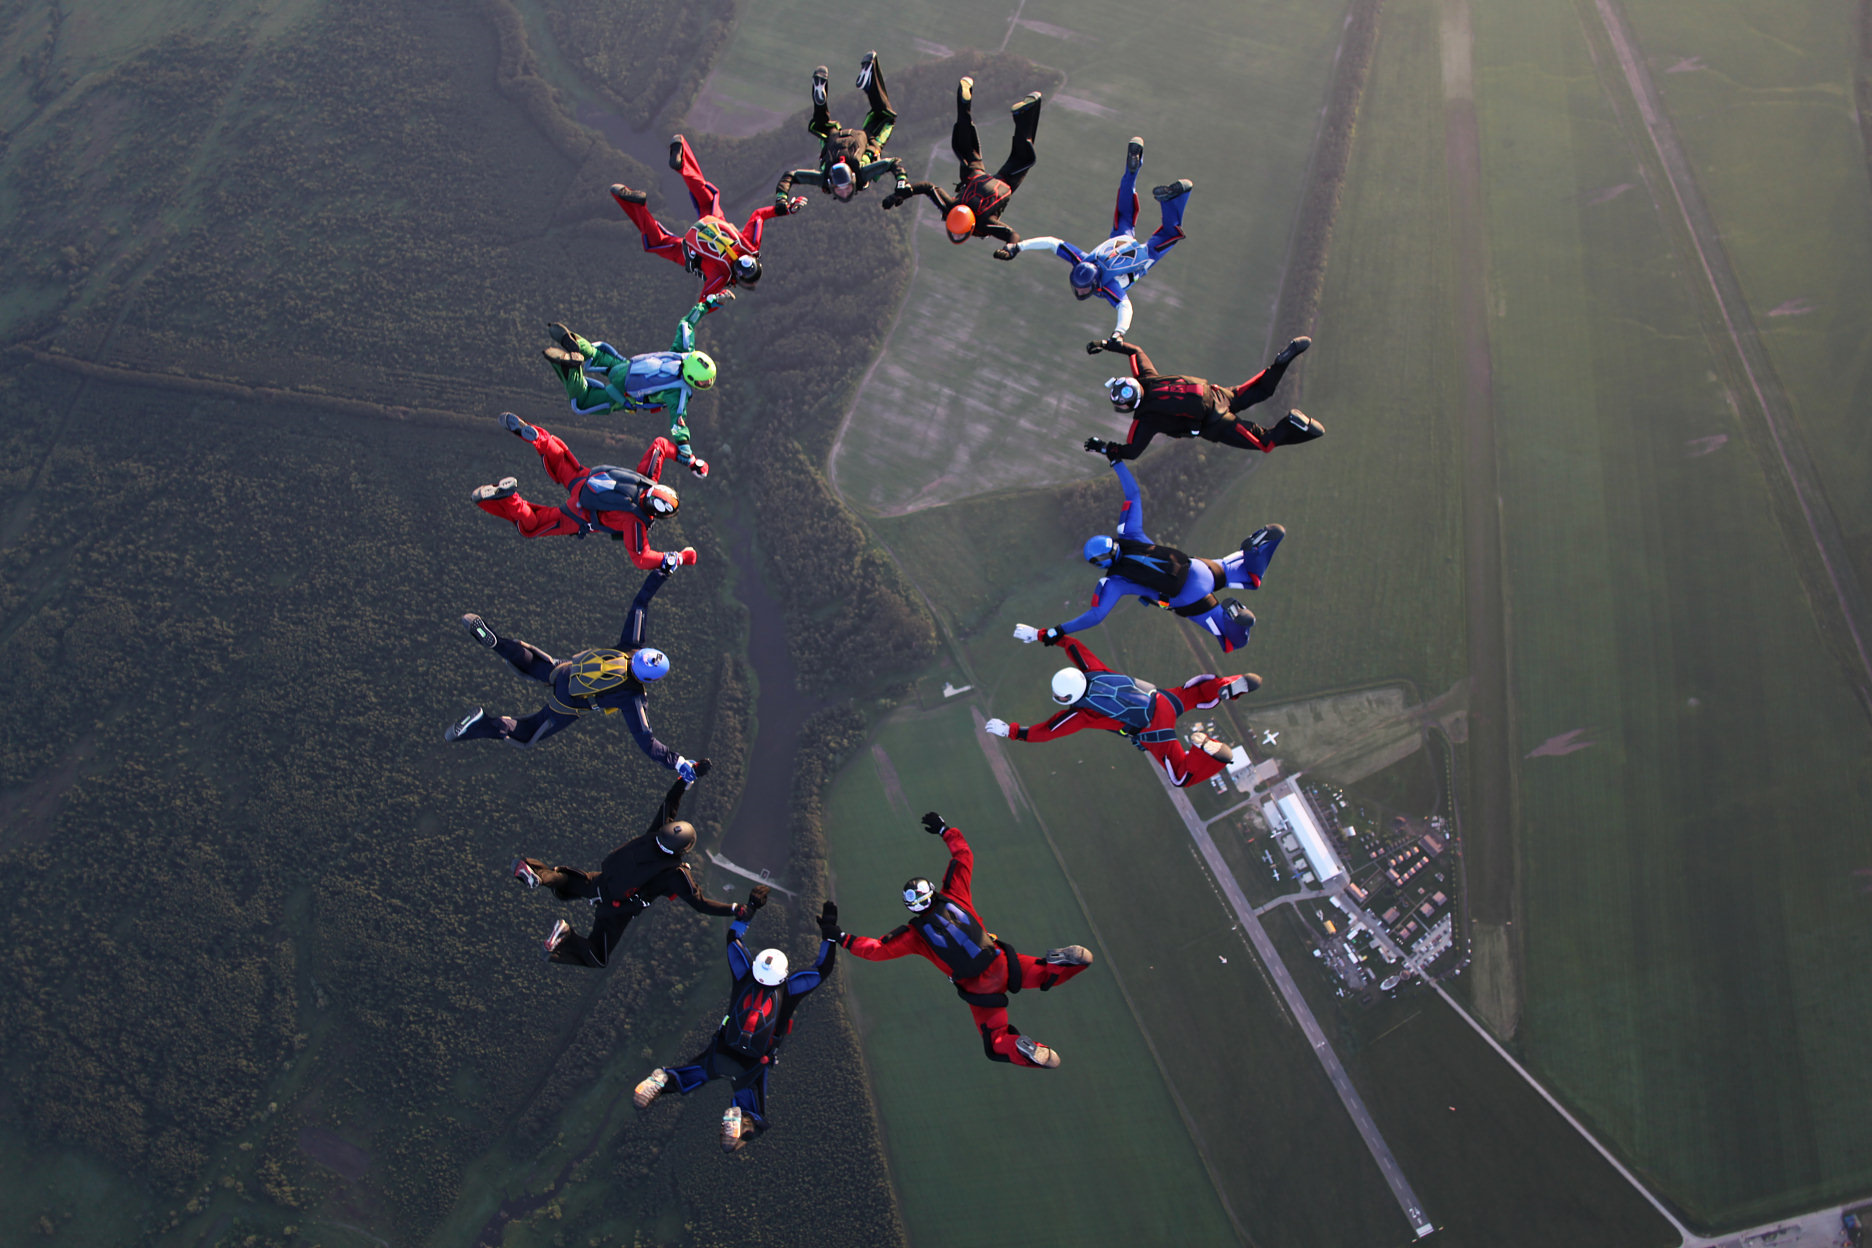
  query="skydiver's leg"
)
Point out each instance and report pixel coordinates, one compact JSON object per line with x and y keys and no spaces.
{"x":566,"y":883}
{"x":1247,"y":566}
{"x":703,"y":193}
{"x":1183,"y":767}
{"x":1021,"y":156}
{"x":1243,"y":435}
{"x":656,"y":239}
{"x":531,"y":520}
{"x":1171,"y":231}
{"x":527,"y":659}
{"x":595,"y":950}
{"x":532,"y":730}
{"x":556,"y":457}
{"x":1000,"y":1039}
{"x":697,"y":1073}
{"x":1124,"y":216}
{"x":1258,"y":387}
{"x":821,"y":125}
{"x":751,"y":1095}
{"x":881,"y":118}
{"x":1036,"y":973}
{"x":963,"y":140}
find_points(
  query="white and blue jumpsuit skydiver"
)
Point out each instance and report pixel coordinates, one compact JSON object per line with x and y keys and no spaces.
{"x":1166,"y":577}
{"x":759,"y":1017}
{"x":1118,"y":262}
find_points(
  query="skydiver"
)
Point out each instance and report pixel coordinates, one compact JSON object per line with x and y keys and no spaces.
{"x":944,"y":928}
{"x":609,"y":681}
{"x":974,"y":211}
{"x":1097,"y":697}
{"x":723,"y":256}
{"x":632,"y":876}
{"x":649,"y":382}
{"x":623,"y":502}
{"x":1110,"y":269}
{"x":1166,"y":577}
{"x":761,"y":1003}
{"x":849,"y":160}
{"x":1178,"y":406}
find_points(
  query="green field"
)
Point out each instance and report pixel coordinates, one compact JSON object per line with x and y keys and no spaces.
{"x":984,"y":384}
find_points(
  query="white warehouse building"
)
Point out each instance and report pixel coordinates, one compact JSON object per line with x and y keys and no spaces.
{"x":1292,"y":813}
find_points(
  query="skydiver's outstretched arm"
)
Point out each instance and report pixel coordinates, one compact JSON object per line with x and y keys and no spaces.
{"x":633,"y":636}
{"x":878,"y":168}
{"x":1131,"y":514}
{"x":739,"y":961}
{"x":1063,"y":724}
{"x":1110,"y":590}
{"x":895,"y":944}
{"x":751,"y":232}
{"x":1139,"y":437}
{"x":1046,"y":242}
{"x":1081,"y":656}
{"x":637,"y":719}
{"x":959,"y":879}
{"x":1141,"y":366}
{"x":943,"y":200}
{"x":784,"y":188}
{"x":994,"y":227}
{"x":1123,"y":325}
{"x":672,"y":802}
{"x":685,"y":328}
{"x":686,"y":890}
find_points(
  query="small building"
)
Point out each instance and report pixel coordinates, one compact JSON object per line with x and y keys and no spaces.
{"x":1296,"y":816}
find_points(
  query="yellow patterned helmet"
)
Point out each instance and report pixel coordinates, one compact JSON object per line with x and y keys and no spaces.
{"x":598,"y":671}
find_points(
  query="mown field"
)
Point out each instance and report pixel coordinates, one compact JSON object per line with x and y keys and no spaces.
{"x":984,"y":384}
{"x":1691,"y":915}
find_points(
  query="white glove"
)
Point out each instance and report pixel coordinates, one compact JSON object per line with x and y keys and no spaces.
{"x":1026,"y":633}
{"x":996,"y":727}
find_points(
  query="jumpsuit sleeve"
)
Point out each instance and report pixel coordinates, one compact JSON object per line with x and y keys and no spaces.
{"x":1046,"y":242}
{"x":751,"y":232}
{"x":637,"y":719}
{"x":739,"y":963}
{"x":705,"y":905}
{"x":897,"y":944}
{"x":810,"y":177}
{"x":1123,"y":325}
{"x":1081,"y":656}
{"x":1001,"y":230}
{"x":878,"y":168}
{"x":1136,"y":439}
{"x":799,"y":983}
{"x":1110,"y":590}
{"x":632,"y":638}
{"x":941,"y":198}
{"x":1131,"y":514}
{"x":685,"y":329}
{"x":642,"y":554}
{"x":651,"y":465}
{"x":958,"y":880}
{"x":672,"y":802}
{"x":1063,"y":724}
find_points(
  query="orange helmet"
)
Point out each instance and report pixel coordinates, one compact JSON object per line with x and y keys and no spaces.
{"x":960,"y":223}
{"x":661,"y":500}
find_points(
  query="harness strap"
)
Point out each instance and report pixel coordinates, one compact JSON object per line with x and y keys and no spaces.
{"x":1157,"y":736}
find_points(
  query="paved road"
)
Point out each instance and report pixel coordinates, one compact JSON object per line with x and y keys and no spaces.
{"x":1302,"y":1012}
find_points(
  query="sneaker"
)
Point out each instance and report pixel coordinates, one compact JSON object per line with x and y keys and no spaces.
{"x":1036,"y":1052}
{"x":821,"y":79}
{"x":1266,"y":534}
{"x":1212,"y":747}
{"x":624,"y":195}
{"x":524,"y":872}
{"x":1294,"y":350}
{"x":1238,"y":613}
{"x":1245,"y":684}
{"x":965,"y":91}
{"x":462,"y":725}
{"x":563,"y":362}
{"x":485,"y":493}
{"x":563,"y":335}
{"x":651,"y":1088}
{"x":1134,"y":155}
{"x":479,"y":630}
{"x":675,"y":152}
{"x":560,"y":930}
{"x":864,"y":70}
{"x":731,"y":1129}
{"x":519,"y":428}
{"x":1069,"y":955}
{"x":1026,"y":103}
{"x":1166,"y":193}
{"x":1297,"y":427}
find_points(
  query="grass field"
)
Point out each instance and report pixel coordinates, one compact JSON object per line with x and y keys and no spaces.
{"x":984,"y":385}
{"x":1690,"y":915}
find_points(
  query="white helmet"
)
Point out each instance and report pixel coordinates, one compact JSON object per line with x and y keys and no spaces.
{"x":1069,"y":685}
{"x":770,"y":967}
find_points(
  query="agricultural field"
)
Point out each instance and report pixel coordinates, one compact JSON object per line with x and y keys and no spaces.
{"x":1695,"y":767}
{"x":984,"y":384}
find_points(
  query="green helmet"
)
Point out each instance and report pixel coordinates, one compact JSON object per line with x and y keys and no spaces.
{"x":698,"y":370}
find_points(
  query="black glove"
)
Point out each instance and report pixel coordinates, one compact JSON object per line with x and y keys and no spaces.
{"x":1005,"y":253}
{"x":828,"y":921}
{"x":701,"y":767}
{"x":1051,"y":636}
{"x":893,"y":199}
{"x":1097,"y":446}
{"x":1093,"y":348}
{"x":757,"y":897}
{"x":933,"y":824}
{"x":780,"y":203}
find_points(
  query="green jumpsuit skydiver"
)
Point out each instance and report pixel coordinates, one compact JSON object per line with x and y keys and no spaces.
{"x":599,"y":380}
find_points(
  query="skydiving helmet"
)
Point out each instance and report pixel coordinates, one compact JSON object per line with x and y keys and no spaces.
{"x":698,"y":369}
{"x":1100,"y":550}
{"x":1069,"y":685}
{"x":840,"y":181}
{"x":1085,"y":279}
{"x":770,"y":967}
{"x":1125,"y":393}
{"x":649,"y":664}
{"x":960,"y":223}
{"x":747,"y":269}
{"x":676,"y":837}
{"x":918,"y":893}
{"x":661,"y":500}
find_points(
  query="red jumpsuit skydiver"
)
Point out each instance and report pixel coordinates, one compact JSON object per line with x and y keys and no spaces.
{"x":1153,"y":722}
{"x":569,"y":518}
{"x":710,"y":246}
{"x":986,"y":991}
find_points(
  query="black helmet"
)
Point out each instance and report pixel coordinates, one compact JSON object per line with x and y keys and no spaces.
{"x":676,"y":837}
{"x":918,"y":893}
{"x":747,"y":269}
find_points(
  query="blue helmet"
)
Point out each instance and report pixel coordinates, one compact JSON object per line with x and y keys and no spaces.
{"x":1100,"y":550}
{"x":649,"y":664}
{"x":1085,"y":279}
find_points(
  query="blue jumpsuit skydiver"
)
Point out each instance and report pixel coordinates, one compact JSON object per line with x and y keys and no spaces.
{"x":1166,"y":577}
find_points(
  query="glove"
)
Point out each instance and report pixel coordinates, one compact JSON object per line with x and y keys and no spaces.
{"x":1005,"y":253}
{"x":699,"y":466}
{"x":893,"y":199}
{"x":793,"y":205}
{"x":717,"y":299}
{"x":828,"y":921}
{"x":996,"y":727}
{"x":687,"y":770}
{"x":757,"y":897}
{"x":1051,"y":636}
{"x":1093,"y":348}
{"x":1026,"y":634}
{"x":688,"y":556}
{"x":1097,"y":446}
{"x":671,"y":561}
{"x":780,"y":204}
{"x":933,"y":824}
